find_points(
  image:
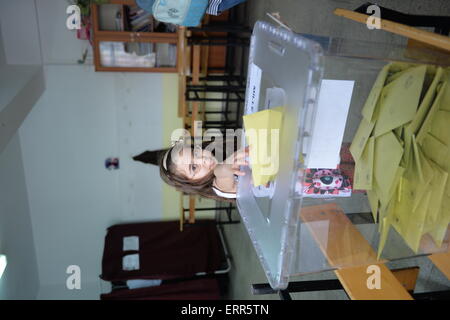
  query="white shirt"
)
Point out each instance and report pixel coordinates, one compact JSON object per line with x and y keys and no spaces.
{"x":229,"y":195}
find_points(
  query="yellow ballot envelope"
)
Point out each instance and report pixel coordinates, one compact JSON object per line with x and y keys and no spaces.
{"x":403,"y":144}
{"x":364,"y":168}
{"x":263,"y":132}
{"x":372,"y":100}
{"x":399,"y":100}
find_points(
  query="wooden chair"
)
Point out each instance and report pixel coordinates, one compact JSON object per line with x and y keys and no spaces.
{"x":200,"y":75}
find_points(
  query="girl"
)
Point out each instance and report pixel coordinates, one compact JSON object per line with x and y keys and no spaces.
{"x":199,"y":170}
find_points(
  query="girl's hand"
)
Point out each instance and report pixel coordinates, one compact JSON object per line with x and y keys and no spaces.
{"x":236,"y":160}
{"x":225,"y":172}
{"x":231,"y":165}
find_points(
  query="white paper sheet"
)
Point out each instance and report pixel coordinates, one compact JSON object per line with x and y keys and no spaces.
{"x":130,"y":262}
{"x":131,"y":243}
{"x":143,"y":283}
{"x":329,"y":125}
{"x":254,"y":87}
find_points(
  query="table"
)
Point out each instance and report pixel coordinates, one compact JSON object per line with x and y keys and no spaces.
{"x":289,"y":240}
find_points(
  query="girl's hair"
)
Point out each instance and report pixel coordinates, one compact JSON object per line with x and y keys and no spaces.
{"x":202,"y":186}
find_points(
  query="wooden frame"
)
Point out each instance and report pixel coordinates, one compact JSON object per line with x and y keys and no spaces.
{"x":432,"y":39}
{"x":129,"y":36}
{"x":343,"y":246}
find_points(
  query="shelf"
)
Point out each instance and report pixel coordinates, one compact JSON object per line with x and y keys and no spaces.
{"x":117,"y":47}
{"x":123,"y":18}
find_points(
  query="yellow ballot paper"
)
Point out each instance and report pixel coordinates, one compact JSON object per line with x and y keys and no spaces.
{"x":440,"y":127}
{"x":436,"y":151}
{"x":437,"y":187}
{"x":394,"y":76}
{"x":399,"y":100}
{"x":262,"y":130}
{"x":399,"y":133}
{"x":387,"y":156}
{"x":419,"y":174}
{"x":385,"y":225}
{"x":403,"y":207}
{"x":415,"y":224}
{"x":387,"y":211}
{"x":440,"y":229}
{"x":359,"y":141}
{"x":364,"y":168}
{"x":396,"y":183}
{"x":396,"y":67}
{"x":424,"y":129}
{"x":371,"y":102}
{"x":414,"y":126}
{"x":446,"y":95}
{"x":403,"y":143}
{"x":426,"y":103}
{"x":387,"y":197}
{"x":410,"y":223}
{"x":374,"y":203}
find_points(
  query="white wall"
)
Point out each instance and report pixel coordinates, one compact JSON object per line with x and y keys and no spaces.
{"x":59,"y":45}
{"x":21,"y":279}
{"x":20,"y":31}
{"x":83,"y":118}
{"x":13,"y":78}
{"x":20,"y":88}
{"x":21,"y":78}
{"x":2,"y":49}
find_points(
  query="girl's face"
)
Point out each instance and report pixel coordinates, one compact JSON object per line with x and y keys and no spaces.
{"x":196,"y":164}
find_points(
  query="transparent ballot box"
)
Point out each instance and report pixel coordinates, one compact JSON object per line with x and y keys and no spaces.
{"x":372,"y":118}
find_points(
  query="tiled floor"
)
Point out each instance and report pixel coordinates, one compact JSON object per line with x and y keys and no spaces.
{"x":316,"y":17}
